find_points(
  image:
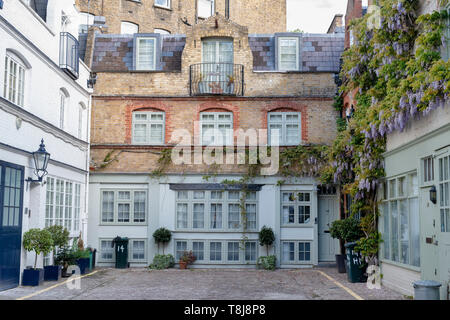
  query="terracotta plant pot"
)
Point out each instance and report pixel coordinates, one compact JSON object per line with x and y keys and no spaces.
{"x":183,"y":265}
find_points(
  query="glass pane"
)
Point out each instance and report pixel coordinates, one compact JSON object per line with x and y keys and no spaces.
{"x":401,"y":186}
{"x":216,"y":216}
{"x":146,"y":51}
{"x":182,"y":215}
{"x":288,"y":214}
{"x":233,"y":195}
{"x":288,"y":197}
{"x":124,"y":212}
{"x":199,"y":216}
{"x":404,"y":232}
{"x":250,"y":251}
{"x":385,"y":213}
{"x":139,"y":206}
{"x":251,"y":216}
{"x":394,"y":231}
{"x":124,"y":195}
{"x":413,"y":185}
{"x":199,"y":194}
{"x":392,"y":188}
{"x":233,"y":251}
{"x":233,"y":216}
{"x":182,"y":195}
{"x":198,"y":249}
{"x":414,"y":223}
{"x":215,"y":251}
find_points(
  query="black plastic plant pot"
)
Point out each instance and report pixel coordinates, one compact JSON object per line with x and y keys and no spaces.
{"x":52,"y":273}
{"x":83,"y":264}
{"x":33,"y":277}
{"x":340,"y":262}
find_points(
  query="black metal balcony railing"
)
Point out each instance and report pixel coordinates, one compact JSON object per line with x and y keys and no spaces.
{"x":69,"y":54}
{"x":217,"y":79}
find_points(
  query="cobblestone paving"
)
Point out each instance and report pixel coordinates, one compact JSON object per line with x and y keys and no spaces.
{"x":214,"y":284}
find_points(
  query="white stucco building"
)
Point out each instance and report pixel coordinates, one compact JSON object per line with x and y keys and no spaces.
{"x":43,"y":95}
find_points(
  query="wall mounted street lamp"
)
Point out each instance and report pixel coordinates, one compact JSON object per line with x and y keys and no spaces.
{"x":433,"y":194}
{"x":41,"y":158}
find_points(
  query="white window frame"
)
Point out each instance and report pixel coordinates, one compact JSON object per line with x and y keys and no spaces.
{"x":296,"y":203}
{"x":443,"y":163}
{"x":213,"y":6}
{"x":131,"y":251}
{"x":167,"y":6}
{"x":138,"y":66}
{"x":296,"y":252}
{"x":63,"y":103}
{"x":149,"y":122}
{"x":427,"y":175}
{"x":85,"y":18}
{"x":207,"y":201}
{"x":284,"y":123}
{"x":394,"y":199}
{"x":118,"y":201}
{"x":297,"y":51}
{"x":100,"y":253}
{"x":14,"y":81}
{"x":67,"y":212}
{"x":127,"y":25}
{"x":228,"y":139}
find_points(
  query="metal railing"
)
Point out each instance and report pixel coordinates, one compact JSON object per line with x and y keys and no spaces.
{"x":69,"y":54}
{"x":216,"y":79}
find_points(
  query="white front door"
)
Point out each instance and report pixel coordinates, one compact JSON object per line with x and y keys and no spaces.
{"x":328,"y":212}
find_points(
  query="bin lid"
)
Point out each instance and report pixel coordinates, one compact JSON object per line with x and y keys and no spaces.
{"x":350,"y":244}
{"x":426,"y":284}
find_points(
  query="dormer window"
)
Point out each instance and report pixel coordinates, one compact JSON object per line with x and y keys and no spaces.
{"x":163,"y":3}
{"x":205,"y":8}
{"x":145,"y":53}
{"x":288,"y":53}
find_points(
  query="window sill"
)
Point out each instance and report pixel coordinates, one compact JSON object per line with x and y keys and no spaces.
{"x":213,"y":231}
{"x":124,"y":224}
{"x":162,"y":7}
{"x":309,"y":225}
{"x":401,"y":265}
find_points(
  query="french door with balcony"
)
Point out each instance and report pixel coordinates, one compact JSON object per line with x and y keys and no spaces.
{"x":217,"y":68}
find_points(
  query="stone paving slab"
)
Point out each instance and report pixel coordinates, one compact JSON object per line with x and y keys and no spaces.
{"x":205,"y":284}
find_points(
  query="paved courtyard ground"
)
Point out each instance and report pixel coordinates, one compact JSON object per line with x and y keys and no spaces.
{"x":200,"y":284}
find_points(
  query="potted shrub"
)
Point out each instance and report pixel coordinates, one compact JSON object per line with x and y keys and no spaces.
{"x":65,"y":257}
{"x":60,"y":237}
{"x":347,"y":230}
{"x":163,"y":236}
{"x":39,"y":241}
{"x":266,"y":237}
{"x":186,"y":259}
{"x":82,"y":256}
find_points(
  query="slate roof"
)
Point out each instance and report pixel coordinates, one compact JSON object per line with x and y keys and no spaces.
{"x":321,"y":52}
{"x":318,"y":52}
{"x":113,"y":52}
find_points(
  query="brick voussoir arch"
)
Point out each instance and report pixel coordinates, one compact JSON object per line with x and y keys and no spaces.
{"x":150,"y":107}
{"x":288,"y":106}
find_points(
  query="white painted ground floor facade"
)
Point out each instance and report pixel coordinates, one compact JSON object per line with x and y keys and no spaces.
{"x":205,"y":217}
{"x":416,"y":227}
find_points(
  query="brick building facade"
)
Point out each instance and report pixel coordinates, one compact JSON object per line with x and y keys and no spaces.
{"x":217,"y":74}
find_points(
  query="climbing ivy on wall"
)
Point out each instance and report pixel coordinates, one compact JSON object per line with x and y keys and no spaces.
{"x":400,"y":75}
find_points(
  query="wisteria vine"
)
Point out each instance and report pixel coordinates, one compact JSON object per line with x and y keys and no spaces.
{"x":400,"y":75}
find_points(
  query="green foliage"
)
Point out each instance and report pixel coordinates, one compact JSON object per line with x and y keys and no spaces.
{"x":163,"y":236}
{"x":266,"y":237}
{"x":39,"y":241}
{"x":188,"y":257}
{"x":267,"y":263}
{"x":60,"y":235}
{"x":65,"y":257}
{"x":399,"y":74}
{"x":161,"y":261}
